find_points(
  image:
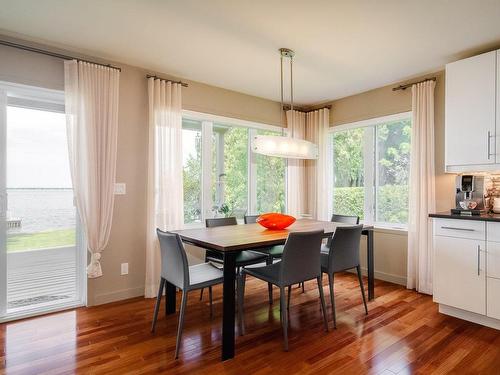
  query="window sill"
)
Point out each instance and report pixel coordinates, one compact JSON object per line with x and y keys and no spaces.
{"x":380,"y":228}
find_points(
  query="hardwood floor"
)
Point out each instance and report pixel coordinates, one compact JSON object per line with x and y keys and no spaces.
{"x":402,"y":334}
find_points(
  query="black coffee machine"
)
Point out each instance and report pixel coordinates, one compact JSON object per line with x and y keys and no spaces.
{"x":469,"y":195}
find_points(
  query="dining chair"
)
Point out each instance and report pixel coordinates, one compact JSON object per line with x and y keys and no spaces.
{"x":343,"y":255}
{"x":243,"y":258}
{"x":175,"y":270}
{"x":273,"y":253}
{"x":300,"y":262}
{"x":344,"y":219}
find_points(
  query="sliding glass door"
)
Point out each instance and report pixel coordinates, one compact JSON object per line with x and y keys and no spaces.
{"x":41,"y":243}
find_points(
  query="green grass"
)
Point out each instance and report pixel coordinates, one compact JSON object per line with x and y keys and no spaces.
{"x":40,"y":240}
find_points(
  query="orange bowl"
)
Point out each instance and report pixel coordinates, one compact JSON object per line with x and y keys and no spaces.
{"x":275,"y":220}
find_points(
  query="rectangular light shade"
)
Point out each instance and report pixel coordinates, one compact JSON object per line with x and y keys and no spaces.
{"x":284,"y":147}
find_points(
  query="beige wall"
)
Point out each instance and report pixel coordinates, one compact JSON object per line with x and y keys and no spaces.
{"x":391,"y":246}
{"x":128,"y":232}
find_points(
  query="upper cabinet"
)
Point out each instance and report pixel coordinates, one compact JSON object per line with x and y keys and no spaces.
{"x":472,"y":120}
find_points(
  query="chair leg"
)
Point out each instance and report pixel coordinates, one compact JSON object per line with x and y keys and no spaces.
{"x":322,"y":300}
{"x":289,"y":294}
{"x":211,"y":302}
{"x":360,"y":278}
{"x":269,"y":261}
{"x":332,"y":299}
{"x":157,"y":304}
{"x":181,"y":323}
{"x":284,"y":318}
{"x":240,"y":291}
{"x":303,"y":287}
{"x":201,"y":293}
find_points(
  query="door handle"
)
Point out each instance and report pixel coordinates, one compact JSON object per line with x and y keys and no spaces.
{"x":478,"y":260}
{"x":462,"y":229}
{"x":489,"y":144}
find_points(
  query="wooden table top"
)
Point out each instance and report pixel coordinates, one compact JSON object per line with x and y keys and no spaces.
{"x":251,"y":236}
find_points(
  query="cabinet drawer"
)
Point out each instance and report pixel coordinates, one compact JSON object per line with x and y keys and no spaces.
{"x":493,"y":230}
{"x":472,"y":229}
{"x":493,"y":298}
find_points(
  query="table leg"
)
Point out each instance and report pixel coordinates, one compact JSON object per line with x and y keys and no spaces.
{"x":370,"y":265}
{"x":228,"y":306}
{"x":170,"y":298}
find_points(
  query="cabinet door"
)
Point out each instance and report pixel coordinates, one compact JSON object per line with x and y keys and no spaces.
{"x":470,"y":110}
{"x":493,"y":263}
{"x":459,"y":277}
{"x":493,"y":308}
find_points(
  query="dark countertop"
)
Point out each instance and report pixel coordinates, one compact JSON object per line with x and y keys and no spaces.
{"x":483,"y":217}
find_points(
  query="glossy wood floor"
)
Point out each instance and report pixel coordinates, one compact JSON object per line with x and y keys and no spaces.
{"x":402,"y":334}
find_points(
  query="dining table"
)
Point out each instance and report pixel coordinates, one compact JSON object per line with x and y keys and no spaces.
{"x":230,"y":240}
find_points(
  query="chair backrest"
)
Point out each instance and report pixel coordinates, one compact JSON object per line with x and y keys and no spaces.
{"x":344,"y":248}
{"x":220,"y":222}
{"x":301,"y":257}
{"x":251,"y":219}
{"x":345,"y":219}
{"x":174,"y":264}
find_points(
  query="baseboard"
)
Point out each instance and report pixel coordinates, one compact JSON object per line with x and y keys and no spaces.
{"x":470,"y":316}
{"x":389,"y":277}
{"x":118,"y":295}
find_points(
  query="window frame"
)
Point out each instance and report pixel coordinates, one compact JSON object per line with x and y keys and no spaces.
{"x":207,"y":123}
{"x":47,"y":100}
{"x":370,"y":170}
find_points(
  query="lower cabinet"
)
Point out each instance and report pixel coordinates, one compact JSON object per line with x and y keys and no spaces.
{"x":459,"y":273}
{"x":493,"y":298}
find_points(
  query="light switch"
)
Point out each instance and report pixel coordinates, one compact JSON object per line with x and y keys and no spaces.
{"x":124,"y":269}
{"x":120,"y":188}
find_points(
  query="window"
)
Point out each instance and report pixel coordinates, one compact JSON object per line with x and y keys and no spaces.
{"x":222,"y":177}
{"x":191,"y":158}
{"x":371,"y":165}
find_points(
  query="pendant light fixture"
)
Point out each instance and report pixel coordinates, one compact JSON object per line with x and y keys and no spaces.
{"x":280,"y":146}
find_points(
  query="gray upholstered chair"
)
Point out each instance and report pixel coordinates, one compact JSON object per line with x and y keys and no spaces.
{"x":243,"y":258}
{"x":175,"y":270}
{"x":300,"y":262}
{"x":273,"y":252}
{"x":343,"y":255}
{"x":345,"y":219}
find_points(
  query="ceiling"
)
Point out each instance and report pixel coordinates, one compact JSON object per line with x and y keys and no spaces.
{"x":342,"y":47}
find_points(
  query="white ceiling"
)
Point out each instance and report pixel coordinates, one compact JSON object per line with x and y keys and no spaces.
{"x":342,"y":47}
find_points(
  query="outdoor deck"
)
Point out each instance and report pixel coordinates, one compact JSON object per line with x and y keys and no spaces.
{"x":40,"y":277}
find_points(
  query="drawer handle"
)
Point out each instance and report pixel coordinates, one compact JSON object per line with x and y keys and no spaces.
{"x":478,"y":260}
{"x":463,"y":229}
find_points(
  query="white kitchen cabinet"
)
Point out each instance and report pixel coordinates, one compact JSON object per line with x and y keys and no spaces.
{"x":459,"y":273}
{"x":471,"y":124}
{"x":493,"y":298}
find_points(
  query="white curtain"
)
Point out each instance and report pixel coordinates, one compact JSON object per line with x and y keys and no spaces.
{"x":91,"y":95}
{"x":165,"y":190}
{"x":295,"y":171}
{"x":318,"y":176}
{"x":422,"y":189}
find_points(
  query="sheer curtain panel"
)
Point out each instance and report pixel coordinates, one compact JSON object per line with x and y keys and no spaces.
{"x":91,"y":95}
{"x":422,"y":188}
{"x":165,"y":175}
{"x":318,"y":175}
{"x":295,"y":170}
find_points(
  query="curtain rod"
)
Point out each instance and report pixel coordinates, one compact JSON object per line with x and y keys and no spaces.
{"x":404,"y":87}
{"x":287,"y":108}
{"x":52,"y":54}
{"x":183,"y":84}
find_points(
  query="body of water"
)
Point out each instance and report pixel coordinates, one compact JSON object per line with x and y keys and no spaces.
{"x":41,"y":209}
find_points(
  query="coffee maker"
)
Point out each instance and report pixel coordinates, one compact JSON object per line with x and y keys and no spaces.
{"x":469,"y":195}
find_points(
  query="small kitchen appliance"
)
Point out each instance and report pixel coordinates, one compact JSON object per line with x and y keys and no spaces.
{"x":469,"y":195}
